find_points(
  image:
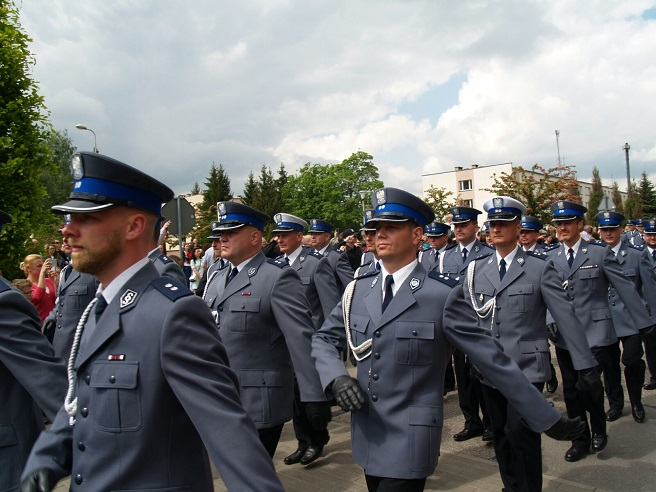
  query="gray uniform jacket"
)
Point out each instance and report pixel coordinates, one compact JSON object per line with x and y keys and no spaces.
{"x":428,"y":258}
{"x":519,"y":322}
{"x":154,"y":393}
{"x":30,"y":377}
{"x":398,"y":431}
{"x":587,"y":283}
{"x":166,"y":267}
{"x":452,"y":264}
{"x":637,"y":267}
{"x":318,"y":283}
{"x":264,"y":320}
{"x":73,"y":295}
{"x":341,"y":268}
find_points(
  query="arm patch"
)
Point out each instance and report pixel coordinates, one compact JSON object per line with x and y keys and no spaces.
{"x":171,"y":288}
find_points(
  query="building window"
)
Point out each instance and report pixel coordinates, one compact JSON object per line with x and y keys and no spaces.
{"x":467,"y":203}
{"x":465,"y":185}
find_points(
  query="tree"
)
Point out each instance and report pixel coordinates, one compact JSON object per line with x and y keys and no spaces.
{"x":24,"y":154}
{"x":58,"y":184}
{"x":633,"y":204}
{"x":217,"y":188}
{"x":596,"y":196}
{"x":250,"y":190}
{"x":195,"y":190}
{"x":647,"y":196}
{"x":266,"y":198}
{"x":617,"y":198}
{"x":440,"y":200}
{"x":538,"y":188}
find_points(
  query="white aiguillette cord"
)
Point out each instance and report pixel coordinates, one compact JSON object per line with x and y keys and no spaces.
{"x":70,"y":404}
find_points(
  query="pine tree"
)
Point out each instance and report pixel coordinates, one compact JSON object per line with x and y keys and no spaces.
{"x":250,"y":190}
{"x":195,"y":190}
{"x":217,"y":187}
{"x":647,"y":196}
{"x":596,"y":196}
{"x":617,"y":198}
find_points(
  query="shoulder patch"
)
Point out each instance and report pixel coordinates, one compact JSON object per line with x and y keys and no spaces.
{"x":550,"y":247}
{"x":536,"y":254}
{"x":483,"y":256}
{"x":314,"y":253}
{"x":164,"y":259}
{"x":371,"y":273}
{"x":451,"y":282}
{"x":280,"y":263}
{"x":640,"y":247}
{"x":597,"y":243}
{"x":171,"y":288}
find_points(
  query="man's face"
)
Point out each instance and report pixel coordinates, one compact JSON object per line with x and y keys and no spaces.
{"x":650,"y":239}
{"x":437,"y":242}
{"x":503,"y":233}
{"x":397,"y":240}
{"x":528,"y":237}
{"x":465,"y":232}
{"x":216,"y":244}
{"x":370,"y":237}
{"x":289,"y":241}
{"x":319,"y":240}
{"x":569,"y":231}
{"x":610,"y":235}
{"x":52,"y":250}
{"x":240,"y":244}
{"x":96,"y":239}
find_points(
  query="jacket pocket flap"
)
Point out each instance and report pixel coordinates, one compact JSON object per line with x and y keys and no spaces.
{"x":117,"y":375}
{"x":245,"y":304}
{"x":585,"y":273}
{"x":532,"y":346}
{"x":430,"y":416}
{"x":600,"y":314}
{"x":305,"y":280}
{"x":81,"y":290}
{"x":7,"y":436}
{"x":359,"y":323}
{"x":424,"y":330}
{"x":487,"y":290}
{"x":257,"y":378}
{"x":520,"y":289}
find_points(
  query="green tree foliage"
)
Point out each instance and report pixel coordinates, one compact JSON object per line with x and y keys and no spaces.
{"x":596,"y":196}
{"x":647,"y":196}
{"x":633,"y":204}
{"x":217,"y":188}
{"x":538,"y":188}
{"x":58,"y":184}
{"x":195,"y":190}
{"x":266,"y":198}
{"x":24,"y":154}
{"x":250,"y":190}
{"x":332,"y":191}
{"x":617,"y":198}
{"x":440,"y":200}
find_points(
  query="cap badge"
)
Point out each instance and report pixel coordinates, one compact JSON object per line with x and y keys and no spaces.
{"x":277,"y":218}
{"x":222,"y":208}
{"x":77,"y":170}
{"x":129,"y":296}
{"x":561,"y":204}
{"x":368,"y":214}
{"x":497,"y":202}
{"x":380,"y":197}
{"x":414,"y":283}
{"x":606,"y":215}
{"x":313,"y":222}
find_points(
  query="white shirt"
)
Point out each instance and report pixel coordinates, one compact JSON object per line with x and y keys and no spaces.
{"x":399,"y":276}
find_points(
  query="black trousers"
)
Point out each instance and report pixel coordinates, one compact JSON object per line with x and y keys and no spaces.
{"x":581,"y":403}
{"x":269,"y":437}
{"x":517,"y":447}
{"x":650,"y":354}
{"x":470,"y":392}
{"x":306,"y":435}
{"x":634,"y":371}
{"x":384,"y":484}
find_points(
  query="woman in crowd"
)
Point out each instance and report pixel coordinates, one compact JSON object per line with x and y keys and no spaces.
{"x":196,"y":269}
{"x":44,"y":292}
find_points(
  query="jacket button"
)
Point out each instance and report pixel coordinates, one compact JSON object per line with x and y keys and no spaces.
{"x":87,"y":378}
{"x":81,"y":446}
{"x":434,"y":420}
{"x":497,"y":335}
{"x":375,"y":377}
{"x":377,"y":334}
{"x":59,"y":327}
{"x":84,"y":412}
{"x":78,"y":479}
{"x":221,"y":309}
{"x":414,"y":332}
{"x":376,"y":355}
{"x":374,"y":398}
{"x":112,"y":379}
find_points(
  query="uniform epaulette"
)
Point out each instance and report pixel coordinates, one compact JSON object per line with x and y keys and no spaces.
{"x":450,"y":246}
{"x":639,"y":247}
{"x":367,"y":274}
{"x":164,"y":259}
{"x":171,"y":288}
{"x":536,"y":254}
{"x":314,"y":252}
{"x":484,"y":256}
{"x":451,"y":282}
{"x":279,"y":262}
{"x":550,"y":247}
{"x":597,"y":243}
{"x":488,"y":246}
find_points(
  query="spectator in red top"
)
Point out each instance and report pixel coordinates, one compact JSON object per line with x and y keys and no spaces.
{"x":44,"y":293}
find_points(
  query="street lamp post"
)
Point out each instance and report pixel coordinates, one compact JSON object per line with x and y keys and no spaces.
{"x":80,"y":126}
{"x":626,"y":148}
{"x":363,"y":195}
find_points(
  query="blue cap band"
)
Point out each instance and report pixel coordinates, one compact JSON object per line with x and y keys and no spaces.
{"x":293,"y":225}
{"x":395,"y":208}
{"x":242,"y":219}
{"x":320,"y":228}
{"x":117,"y":192}
{"x":567,"y":211}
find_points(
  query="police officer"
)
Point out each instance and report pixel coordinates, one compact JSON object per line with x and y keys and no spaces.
{"x":587,"y":270}
{"x":649,"y":340}
{"x":320,"y":234}
{"x":401,"y":323}
{"x":32,"y":377}
{"x":369,"y":236}
{"x":321,"y":292}
{"x":530,"y":233}
{"x":437,"y":235}
{"x":265,"y":322}
{"x":637,"y":267}
{"x":150,"y":389}
{"x":454,"y":264}
{"x":511,"y":291}
{"x":217,"y":262}
{"x":165,"y":266}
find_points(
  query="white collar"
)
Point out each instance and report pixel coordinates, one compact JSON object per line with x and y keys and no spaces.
{"x":116,"y":285}
{"x":399,"y":276}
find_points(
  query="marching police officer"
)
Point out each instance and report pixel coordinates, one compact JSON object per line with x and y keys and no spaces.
{"x":529,"y":234}
{"x":32,"y":377}
{"x":150,"y":389}
{"x":587,"y":270}
{"x":437,"y":235}
{"x":400,"y":323}
{"x":369,"y":237}
{"x":320,"y":234}
{"x":511,"y":291}
{"x":649,"y":339}
{"x":637,"y":267}
{"x":265,"y":322}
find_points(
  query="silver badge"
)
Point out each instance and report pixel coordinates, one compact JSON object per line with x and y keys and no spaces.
{"x":585,"y":250}
{"x":277,"y":218}
{"x":480,"y":298}
{"x":477,"y":249}
{"x":561,"y":204}
{"x":414,"y":283}
{"x":520,"y":260}
{"x":129,"y":296}
{"x":368,"y":214}
{"x":380,"y":197}
{"x":606,"y":215}
{"x":489,"y":262}
{"x":301,"y":259}
{"x":252,"y":271}
{"x":623,"y":253}
{"x":221,"y":208}
{"x":77,"y":168}
{"x":313,"y":222}
{"x":374,"y":282}
{"x":497,"y":202}
{"x":560,"y":252}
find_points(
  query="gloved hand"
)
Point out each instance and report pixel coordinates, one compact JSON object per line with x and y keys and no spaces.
{"x":590,"y":381}
{"x":348,"y":393}
{"x":318,"y":414}
{"x":48,"y":329}
{"x":552,"y":332}
{"x":648,"y":330}
{"x":42,"y":480}
{"x":566,"y":429}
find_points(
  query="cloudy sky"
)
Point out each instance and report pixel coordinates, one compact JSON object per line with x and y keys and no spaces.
{"x":423,"y":86}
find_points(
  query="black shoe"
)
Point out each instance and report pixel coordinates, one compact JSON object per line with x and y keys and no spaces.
{"x":488,"y":435}
{"x":613,"y":414}
{"x":638,"y":412}
{"x":651,"y":385}
{"x":574,"y":454}
{"x":552,"y":384}
{"x":312,"y":453}
{"x":469,"y":432}
{"x":599,"y":442}
{"x":296,"y":456}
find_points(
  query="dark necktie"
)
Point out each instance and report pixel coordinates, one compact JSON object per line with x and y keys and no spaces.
{"x":67,"y":273}
{"x":100,"y":307}
{"x":653,"y":254}
{"x":389,"y":281}
{"x":570,"y":258}
{"x":464,"y":254}
{"x":233,"y":273}
{"x":378,"y":264}
{"x":502,"y":268}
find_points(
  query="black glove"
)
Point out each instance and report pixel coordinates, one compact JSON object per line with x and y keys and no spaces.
{"x":566,"y":429}
{"x":552,"y":332}
{"x":48,"y":329}
{"x":648,"y":330}
{"x":590,"y":381}
{"x":318,"y":414}
{"x":348,"y":393}
{"x":42,"y":480}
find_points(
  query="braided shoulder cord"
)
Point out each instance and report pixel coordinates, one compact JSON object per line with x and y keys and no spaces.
{"x":486,"y":309}
{"x":346,"y":312}
{"x":70,"y":403}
